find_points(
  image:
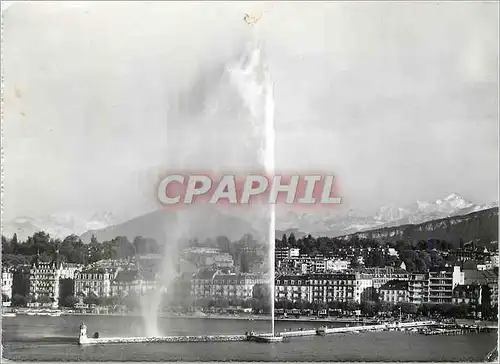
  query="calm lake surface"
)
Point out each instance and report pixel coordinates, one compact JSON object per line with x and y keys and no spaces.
{"x":54,"y":339}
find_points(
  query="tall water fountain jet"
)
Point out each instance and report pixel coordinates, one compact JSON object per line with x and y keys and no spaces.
{"x":256,"y":85}
{"x":269,"y":164}
{"x":225,"y":121}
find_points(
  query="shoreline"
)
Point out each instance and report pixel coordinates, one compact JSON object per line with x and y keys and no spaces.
{"x":217,"y":317}
{"x":366,"y":321}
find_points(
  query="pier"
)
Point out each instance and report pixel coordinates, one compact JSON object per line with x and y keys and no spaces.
{"x":83,"y":339}
{"x":363,"y":328}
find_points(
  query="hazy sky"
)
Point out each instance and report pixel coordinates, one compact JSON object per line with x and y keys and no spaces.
{"x":400,"y":100}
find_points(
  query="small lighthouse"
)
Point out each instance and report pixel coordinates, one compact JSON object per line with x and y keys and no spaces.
{"x":82,"y":338}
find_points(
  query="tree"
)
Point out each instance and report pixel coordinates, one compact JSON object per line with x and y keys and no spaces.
{"x":93,"y":240}
{"x":351,"y":306}
{"x":66,"y":288}
{"x":69,"y":301}
{"x":370,"y":294}
{"x":45,"y":299}
{"x":408,"y":308}
{"x":369,"y":308}
{"x":145,"y":246}
{"x":18,"y":301}
{"x":7,"y":247}
{"x":91,"y":299}
{"x":132,"y":300}
{"x":486,"y":311}
{"x":223,"y":244}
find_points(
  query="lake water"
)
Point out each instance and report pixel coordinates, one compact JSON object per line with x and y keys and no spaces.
{"x":54,"y":339}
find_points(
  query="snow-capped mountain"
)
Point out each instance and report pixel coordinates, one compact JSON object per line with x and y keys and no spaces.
{"x":56,"y":225}
{"x":336,"y":223}
{"x":320,"y":221}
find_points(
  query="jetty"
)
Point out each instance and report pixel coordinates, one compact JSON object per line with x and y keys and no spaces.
{"x":356,"y":329}
{"x":83,"y":339}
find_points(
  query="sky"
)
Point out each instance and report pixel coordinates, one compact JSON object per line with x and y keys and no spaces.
{"x":399,"y":100}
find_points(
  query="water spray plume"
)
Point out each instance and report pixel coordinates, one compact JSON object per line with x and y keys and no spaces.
{"x":268,"y":152}
{"x":250,"y":79}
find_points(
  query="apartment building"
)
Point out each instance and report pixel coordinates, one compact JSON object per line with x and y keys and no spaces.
{"x":235,"y":286}
{"x":383,"y":275}
{"x":469,"y":294}
{"x":218,"y":285}
{"x":7,"y":281}
{"x":394,"y":291}
{"x":129,"y":281}
{"x":316,"y":287}
{"x":441,"y":284}
{"x":483,"y":278}
{"x":363,"y":286}
{"x":292,"y":288}
{"x":436,"y":286}
{"x":418,"y":288}
{"x":69,"y":270}
{"x":94,"y":281}
{"x":337,"y":265}
{"x":44,"y":283}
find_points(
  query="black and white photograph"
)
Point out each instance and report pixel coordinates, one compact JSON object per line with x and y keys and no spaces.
{"x":265,"y":181}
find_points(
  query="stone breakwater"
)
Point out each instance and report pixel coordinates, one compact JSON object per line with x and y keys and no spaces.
{"x":82,"y":340}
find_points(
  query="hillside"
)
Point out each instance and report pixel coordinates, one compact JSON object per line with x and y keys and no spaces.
{"x":481,"y":226}
{"x":164,"y":225}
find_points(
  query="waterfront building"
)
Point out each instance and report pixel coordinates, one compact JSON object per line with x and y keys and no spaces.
{"x":418,"y":288}
{"x":363,"y":287}
{"x":218,"y":285}
{"x":235,"y":286}
{"x":441,"y":284}
{"x":94,"y":282}
{"x":394,"y":291}
{"x":134,"y":281}
{"x":469,"y":294}
{"x":69,"y":270}
{"x":383,"y":275}
{"x":435,"y":286}
{"x":7,"y":282}
{"x":292,"y":288}
{"x":201,"y":283}
{"x":44,"y":283}
{"x":316,"y":287}
{"x":487,"y":278}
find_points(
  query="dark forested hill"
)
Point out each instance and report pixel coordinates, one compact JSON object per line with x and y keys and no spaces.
{"x":481,"y":226}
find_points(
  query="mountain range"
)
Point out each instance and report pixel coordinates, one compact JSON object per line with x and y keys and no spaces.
{"x":337,"y":223}
{"x":209,"y":221}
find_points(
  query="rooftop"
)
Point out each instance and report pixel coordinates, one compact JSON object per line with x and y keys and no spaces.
{"x":395,"y":285}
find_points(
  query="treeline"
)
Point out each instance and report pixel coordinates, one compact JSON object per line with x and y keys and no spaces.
{"x":247,"y":253}
{"x":372,"y":308}
{"x":418,"y":256}
{"x":72,"y":250}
